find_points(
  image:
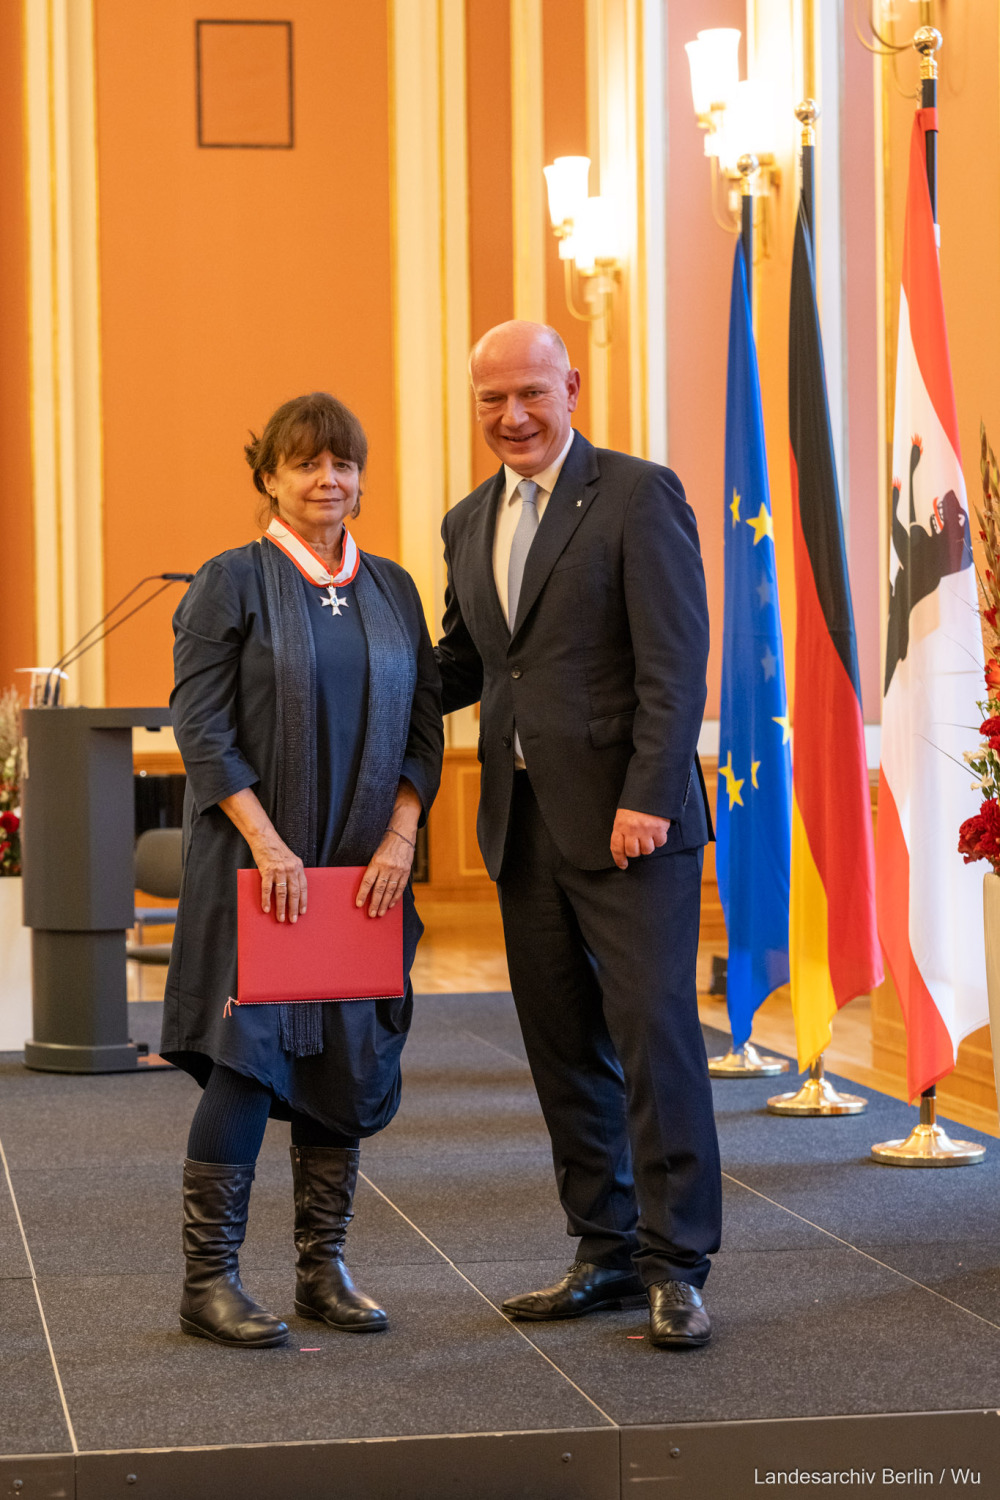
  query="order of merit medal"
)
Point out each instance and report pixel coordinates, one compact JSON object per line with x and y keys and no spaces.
{"x":312,"y":566}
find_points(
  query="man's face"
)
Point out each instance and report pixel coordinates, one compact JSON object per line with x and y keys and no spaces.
{"x":524,"y":399}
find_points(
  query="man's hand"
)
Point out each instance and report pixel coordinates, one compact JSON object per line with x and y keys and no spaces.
{"x":636,"y":833}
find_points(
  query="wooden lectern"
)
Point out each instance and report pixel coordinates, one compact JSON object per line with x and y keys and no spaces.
{"x":78,"y":839}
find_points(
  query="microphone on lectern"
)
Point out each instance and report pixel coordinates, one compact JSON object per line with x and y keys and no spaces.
{"x":50,"y":695}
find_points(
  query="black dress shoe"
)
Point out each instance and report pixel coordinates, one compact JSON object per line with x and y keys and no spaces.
{"x":583,"y":1289}
{"x":677,"y":1316}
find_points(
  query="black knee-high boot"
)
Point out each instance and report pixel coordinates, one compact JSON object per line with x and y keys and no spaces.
{"x":324,"y":1179}
{"x":214,"y":1304}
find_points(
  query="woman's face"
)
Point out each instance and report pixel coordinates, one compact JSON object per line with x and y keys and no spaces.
{"x":314,"y":493}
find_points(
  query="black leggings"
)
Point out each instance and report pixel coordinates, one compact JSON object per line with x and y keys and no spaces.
{"x":228,"y":1125}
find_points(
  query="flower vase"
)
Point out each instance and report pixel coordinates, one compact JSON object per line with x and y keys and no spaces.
{"x":991,"y":925}
{"x":15,"y":967}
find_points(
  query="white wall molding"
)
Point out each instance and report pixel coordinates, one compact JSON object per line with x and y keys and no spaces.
{"x":64,"y":319}
{"x":527,"y":83}
{"x":430,"y":281}
{"x":431,"y":313}
{"x":831,"y":271}
{"x":599,"y":365}
{"x":626,"y":143}
{"x":652,"y":65}
{"x":455,"y":254}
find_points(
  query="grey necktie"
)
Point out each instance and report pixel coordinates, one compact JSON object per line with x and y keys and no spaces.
{"x":520,"y":546}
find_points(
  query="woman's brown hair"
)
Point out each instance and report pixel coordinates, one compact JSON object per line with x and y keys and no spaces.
{"x":302,"y":428}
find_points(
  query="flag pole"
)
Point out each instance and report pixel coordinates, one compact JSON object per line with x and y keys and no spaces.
{"x":817,"y":1096}
{"x":807,"y":113}
{"x":928,"y":1145}
{"x":747,"y":166}
{"x":746,"y":1061}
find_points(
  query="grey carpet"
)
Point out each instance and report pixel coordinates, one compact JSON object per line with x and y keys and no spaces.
{"x":13,"y":1260}
{"x":133,"y":1379}
{"x":31,"y":1416}
{"x":823,"y":1251}
{"x":820,"y":1332}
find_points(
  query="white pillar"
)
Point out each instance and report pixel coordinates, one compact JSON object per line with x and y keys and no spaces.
{"x":64,"y":317}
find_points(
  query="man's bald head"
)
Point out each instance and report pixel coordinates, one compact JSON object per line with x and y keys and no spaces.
{"x":525,"y":393}
{"x":521,"y":337}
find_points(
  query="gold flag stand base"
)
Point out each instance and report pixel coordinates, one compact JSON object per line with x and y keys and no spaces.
{"x":817,"y":1096}
{"x":927,"y":1145}
{"x":746,"y":1062}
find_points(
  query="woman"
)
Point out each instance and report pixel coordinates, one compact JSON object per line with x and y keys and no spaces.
{"x":307,"y":709}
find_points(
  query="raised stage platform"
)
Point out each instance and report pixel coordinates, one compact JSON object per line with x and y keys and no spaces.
{"x":856,"y":1307}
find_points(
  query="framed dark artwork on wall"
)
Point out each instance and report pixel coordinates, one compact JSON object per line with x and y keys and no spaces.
{"x":244,"y":85}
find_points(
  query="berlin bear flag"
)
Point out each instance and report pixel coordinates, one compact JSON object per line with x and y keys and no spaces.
{"x":832,"y":933}
{"x":930,"y":908}
{"x":753,"y":824}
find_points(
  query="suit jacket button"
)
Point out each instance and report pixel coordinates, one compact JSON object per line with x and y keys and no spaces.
{"x":506,"y":742}
{"x":516,"y":672}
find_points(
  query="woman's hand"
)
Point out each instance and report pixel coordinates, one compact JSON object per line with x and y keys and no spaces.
{"x":389,"y":870}
{"x":284,"y":873}
{"x":281,"y":872}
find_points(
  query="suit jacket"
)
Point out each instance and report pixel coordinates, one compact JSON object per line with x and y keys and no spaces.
{"x":604,"y":671}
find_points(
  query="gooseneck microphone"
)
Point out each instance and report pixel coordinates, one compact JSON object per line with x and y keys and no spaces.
{"x":50,"y":694}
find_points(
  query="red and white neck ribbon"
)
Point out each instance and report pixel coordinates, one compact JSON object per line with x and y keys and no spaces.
{"x":308,"y":562}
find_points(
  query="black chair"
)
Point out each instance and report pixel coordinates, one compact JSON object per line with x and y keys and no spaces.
{"x":157,"y":873}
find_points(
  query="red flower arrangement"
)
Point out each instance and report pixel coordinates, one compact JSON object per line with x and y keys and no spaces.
{"x":10,"y":783}
{"x":979,"y":836}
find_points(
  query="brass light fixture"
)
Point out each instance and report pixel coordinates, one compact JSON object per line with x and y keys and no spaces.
{"x":589,"y":243}
{"x":737,"y":119}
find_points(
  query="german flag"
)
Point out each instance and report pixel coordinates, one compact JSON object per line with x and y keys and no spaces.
{"x":834,"y":951}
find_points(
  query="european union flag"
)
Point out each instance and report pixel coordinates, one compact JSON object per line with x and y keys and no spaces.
{"x":754,"y":821}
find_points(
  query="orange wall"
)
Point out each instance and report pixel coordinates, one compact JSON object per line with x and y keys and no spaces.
{"x":699,"y":269}
{"x":860,"y":284}
{"x":491,"y":205}
{"x":231,"y":280}
{"x":699,"y":273}
{"x":17,"y":606}
{"x":564,"y":52}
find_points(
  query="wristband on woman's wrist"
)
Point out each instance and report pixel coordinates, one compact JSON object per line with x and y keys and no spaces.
{"x":402,"y":836}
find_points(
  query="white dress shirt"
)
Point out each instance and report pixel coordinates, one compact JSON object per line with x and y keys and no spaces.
{"x":508,"y":515}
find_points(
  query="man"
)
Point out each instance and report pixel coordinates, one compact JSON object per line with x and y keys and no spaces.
{"x":575,"y":611}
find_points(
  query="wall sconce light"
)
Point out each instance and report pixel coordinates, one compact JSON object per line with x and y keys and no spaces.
{"x":589,"y":243}
{"x":737,"y":119}
{"x":715,"y":72}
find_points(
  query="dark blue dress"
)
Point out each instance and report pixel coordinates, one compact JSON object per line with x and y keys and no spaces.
{"x":341,"y":706}
{"x":223,"y":712}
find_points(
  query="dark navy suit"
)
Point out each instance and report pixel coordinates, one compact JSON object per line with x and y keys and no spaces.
{"x":604,"y":675}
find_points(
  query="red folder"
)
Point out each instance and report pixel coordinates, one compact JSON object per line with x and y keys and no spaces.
{"x":335,"y":952}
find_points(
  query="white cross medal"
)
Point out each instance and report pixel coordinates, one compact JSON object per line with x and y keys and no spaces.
{"x":334,"y":600}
